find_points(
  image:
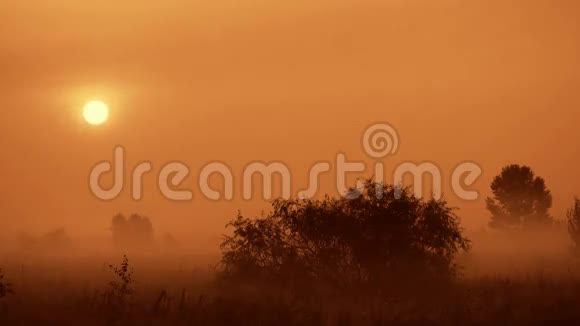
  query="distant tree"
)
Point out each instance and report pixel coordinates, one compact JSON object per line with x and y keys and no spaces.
{"x":573,"y":216}
{"x":170,"y":241}
{"x":142,"y":228}
{"x":54,"y":240}
{"x":136,"y":230}
{"x":520,"y":198}
{"x":120,"y":229}
{"x":376,"y":242}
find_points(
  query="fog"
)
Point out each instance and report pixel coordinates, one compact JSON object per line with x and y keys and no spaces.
{"x":297,"y":83}
{"x":489,"y":82}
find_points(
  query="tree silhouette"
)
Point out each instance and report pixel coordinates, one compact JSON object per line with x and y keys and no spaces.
{"x":54,"y":240}
{"x":136,"y":230}
{"x":123,"y":285}
{"x":372,"y":241}
{"x":573,"y":216}
{"x":121,"y":290}
{"x":5,"y":287}
{"x":520,"y":198}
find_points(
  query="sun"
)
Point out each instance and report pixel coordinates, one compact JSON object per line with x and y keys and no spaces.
{"x":96,"y":113}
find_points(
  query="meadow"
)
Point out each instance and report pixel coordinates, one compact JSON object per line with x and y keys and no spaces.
{"x":521,"y":279}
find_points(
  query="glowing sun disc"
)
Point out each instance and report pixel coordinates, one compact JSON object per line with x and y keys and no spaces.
{"x":96,"y":113}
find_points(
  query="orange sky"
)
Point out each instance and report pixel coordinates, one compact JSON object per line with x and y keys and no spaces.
{"x":495,"y":82}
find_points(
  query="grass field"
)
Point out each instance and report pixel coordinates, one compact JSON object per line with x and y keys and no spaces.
{"x":501,"y":286}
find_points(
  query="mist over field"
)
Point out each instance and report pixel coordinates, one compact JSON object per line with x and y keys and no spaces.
{"x":253,"y":162}
{"x":66,"y":278}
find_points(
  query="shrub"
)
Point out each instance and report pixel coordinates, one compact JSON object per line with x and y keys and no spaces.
{"x":123,"y":285}
{"x":573,"y":216}
{"x":5,"y":287}
{"x":373,"y":242}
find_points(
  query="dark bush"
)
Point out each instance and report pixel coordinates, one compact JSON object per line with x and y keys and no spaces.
{"x":374,"y":242}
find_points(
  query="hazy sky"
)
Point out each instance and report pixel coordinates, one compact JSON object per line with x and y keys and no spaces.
{"x":494,"y":82}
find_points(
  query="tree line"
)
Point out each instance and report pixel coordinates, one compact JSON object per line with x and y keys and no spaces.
{"x":386,"y":244}
{"x":383,"y":244}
